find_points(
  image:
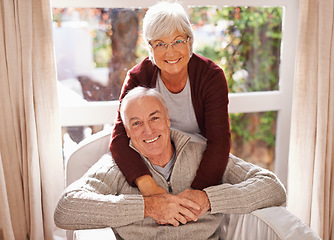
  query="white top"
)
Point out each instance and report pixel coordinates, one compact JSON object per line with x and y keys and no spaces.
{"x":166,"y":170}
{"x":181,"y":110}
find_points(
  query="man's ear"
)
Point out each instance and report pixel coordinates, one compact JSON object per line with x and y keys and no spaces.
{"x":127,"y":132}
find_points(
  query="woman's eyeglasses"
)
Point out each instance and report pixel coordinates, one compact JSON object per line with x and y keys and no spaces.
{"x":177,"y":45}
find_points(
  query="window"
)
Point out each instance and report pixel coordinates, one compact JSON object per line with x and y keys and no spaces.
{"x":267,"y":97}
{"x":244,"y":41}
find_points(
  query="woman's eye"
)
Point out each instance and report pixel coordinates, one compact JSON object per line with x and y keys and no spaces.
{"x":160,"y":45}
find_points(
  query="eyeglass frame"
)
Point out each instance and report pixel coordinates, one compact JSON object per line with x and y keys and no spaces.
{"x":170,"y":44}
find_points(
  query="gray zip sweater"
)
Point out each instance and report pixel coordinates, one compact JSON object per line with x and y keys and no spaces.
{"x":103,"y":198}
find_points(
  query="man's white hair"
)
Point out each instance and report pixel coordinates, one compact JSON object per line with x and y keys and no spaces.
{"x":140,"y":92}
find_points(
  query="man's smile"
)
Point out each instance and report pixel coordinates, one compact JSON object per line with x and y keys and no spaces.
{"x":152,"y":140}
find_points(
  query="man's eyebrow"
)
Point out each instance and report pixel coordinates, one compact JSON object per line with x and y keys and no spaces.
{"x":133,"y":118}
{"x":155,"y":112}
{"x":151,"y":114}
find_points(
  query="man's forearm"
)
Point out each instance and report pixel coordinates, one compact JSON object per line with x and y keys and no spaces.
{"x":92,"y":201}
{"x":246,"y":188}
{"x":82,"y":209}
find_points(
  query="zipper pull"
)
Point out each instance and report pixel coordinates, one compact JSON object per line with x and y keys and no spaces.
{"x":169,"y":187}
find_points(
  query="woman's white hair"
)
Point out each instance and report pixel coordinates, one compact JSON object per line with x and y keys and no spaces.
{"x":140,"y":92}
{"x":163,"y":19}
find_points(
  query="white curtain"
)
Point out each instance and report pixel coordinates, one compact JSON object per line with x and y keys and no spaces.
{"x":311,"y":160}
{"x":31,"y":167}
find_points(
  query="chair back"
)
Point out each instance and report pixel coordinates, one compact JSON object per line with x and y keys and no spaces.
{"x":89,"y":151}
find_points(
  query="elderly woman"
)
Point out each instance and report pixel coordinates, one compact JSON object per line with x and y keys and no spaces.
{"x":194,"y":88}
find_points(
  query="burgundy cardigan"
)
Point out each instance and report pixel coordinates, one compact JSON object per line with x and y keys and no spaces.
{"x":209,"y":93}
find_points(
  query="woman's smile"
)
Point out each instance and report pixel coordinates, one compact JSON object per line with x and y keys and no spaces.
{"x":173,"y":61}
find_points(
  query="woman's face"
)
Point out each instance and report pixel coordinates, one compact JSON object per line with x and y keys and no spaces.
{"x":174,"y":59}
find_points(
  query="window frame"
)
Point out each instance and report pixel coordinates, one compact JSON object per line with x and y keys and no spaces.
{"x":95,"y":113}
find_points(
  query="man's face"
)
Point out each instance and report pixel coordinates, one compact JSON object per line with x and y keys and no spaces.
{"x":147,"y":124}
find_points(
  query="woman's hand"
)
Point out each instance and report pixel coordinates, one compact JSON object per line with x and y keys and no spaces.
{"x":170,"y":209}
{"x":199,"y":197}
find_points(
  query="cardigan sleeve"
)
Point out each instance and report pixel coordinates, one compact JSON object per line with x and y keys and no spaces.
{"x":210,"y":100}
{"x":246,"y":187}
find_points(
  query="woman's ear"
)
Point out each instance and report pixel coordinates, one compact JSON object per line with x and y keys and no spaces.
{"x":151,"y":54}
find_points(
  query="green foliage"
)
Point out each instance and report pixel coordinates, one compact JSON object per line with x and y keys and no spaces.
{"x":262,"y":128}
{"x":249,"y":53}
{"x":251,"y":43}
{"x":238,"y":125}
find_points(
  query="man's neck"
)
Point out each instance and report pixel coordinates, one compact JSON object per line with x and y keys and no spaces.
{"x":163,"y":159}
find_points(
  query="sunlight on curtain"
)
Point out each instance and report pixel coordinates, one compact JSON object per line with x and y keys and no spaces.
{"x":5,"y":223}
{"x":30,"y":141}
{"x":311,"y":166}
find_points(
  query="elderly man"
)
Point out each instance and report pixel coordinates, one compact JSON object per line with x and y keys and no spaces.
{"x":103,"y":198}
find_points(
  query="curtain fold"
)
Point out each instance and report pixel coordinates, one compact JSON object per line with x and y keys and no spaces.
{"x":32,"y":175}
{"x":311,"y":166}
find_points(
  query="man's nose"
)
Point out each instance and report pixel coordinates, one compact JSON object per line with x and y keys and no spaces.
{"x":147,"y":128}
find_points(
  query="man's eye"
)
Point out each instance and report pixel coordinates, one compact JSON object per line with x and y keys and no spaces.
{"x":178,"y":41}
{"x":155,"y":118}
{"x":135,"y":124}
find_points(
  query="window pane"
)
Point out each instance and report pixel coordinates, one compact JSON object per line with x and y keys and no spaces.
{"x":254,"y":136}
{"x":244,"y":41}
{"x":94,"y":49}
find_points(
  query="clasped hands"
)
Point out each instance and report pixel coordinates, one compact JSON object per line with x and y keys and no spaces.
{"x":168,"y":209}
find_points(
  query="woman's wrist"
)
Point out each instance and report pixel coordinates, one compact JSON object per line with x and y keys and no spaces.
{"x":148,"y":186}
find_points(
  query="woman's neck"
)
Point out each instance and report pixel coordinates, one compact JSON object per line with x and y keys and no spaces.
{"x":174,"y":83}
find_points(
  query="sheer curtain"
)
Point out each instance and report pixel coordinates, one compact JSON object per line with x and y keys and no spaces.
{"x":31,"y":169}
{"x":311,"y":160}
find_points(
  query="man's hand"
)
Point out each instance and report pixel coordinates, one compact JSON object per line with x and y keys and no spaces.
{"x":199,"y":197}
{"x":170,"y":209}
